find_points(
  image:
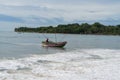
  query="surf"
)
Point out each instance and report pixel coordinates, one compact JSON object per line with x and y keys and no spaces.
{"x":85,"y":64}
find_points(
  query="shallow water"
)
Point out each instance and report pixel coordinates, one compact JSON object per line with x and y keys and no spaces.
{"x":17,"y":45}
{"x":83,"y":64}
{"x":85,"y":57}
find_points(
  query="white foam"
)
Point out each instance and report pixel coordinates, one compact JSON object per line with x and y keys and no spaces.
{"x":85,"y":64}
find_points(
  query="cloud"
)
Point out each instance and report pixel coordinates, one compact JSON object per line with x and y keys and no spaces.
{"x":52,"y":12}
{"x":8,"y":18}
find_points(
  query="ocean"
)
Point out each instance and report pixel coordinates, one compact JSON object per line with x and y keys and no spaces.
{"x":85,"y":57}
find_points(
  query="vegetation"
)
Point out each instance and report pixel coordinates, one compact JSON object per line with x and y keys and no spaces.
{"x":84,"y":28}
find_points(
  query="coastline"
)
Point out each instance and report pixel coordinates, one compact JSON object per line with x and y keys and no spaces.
{"x":75,"y":28}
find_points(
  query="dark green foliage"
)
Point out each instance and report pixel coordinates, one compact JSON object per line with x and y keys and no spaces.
{"x":85,"y":28}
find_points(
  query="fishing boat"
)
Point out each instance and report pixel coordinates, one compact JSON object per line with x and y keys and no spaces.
{"x":53,"y":44}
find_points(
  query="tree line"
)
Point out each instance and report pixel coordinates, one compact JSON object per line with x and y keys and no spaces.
{"x":75,"y":28}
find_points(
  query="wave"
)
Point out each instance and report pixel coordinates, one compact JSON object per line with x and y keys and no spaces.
{"x":20,"y":44}
{"x":81,"y":64}
{"x":27,"y":44}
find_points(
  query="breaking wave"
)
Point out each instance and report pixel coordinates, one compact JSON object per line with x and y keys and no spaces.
{"x":81,"y":64}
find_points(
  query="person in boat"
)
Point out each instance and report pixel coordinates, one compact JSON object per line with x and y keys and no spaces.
{"x":47,"y":40}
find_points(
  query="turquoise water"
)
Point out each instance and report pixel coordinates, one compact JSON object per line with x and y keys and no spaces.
{"x":14,"y":45}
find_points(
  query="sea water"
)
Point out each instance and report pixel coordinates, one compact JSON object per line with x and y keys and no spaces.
{"x":85,"y":57}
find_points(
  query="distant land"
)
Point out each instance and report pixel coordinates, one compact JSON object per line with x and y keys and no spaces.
{"x":75,"y":28}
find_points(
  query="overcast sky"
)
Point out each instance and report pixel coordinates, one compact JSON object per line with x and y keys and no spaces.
{"x":34,"y":13}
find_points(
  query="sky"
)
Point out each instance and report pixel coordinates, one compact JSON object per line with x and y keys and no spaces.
{"x":36,"y":13}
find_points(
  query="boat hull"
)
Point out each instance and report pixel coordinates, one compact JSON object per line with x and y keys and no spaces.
{"x":54,"y":44}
